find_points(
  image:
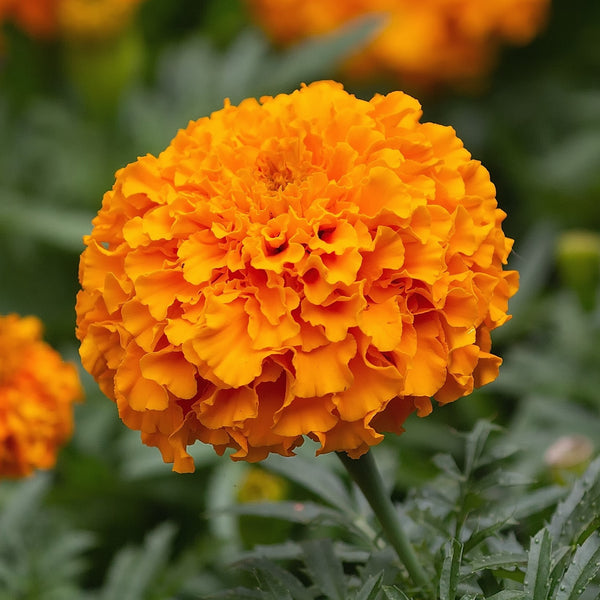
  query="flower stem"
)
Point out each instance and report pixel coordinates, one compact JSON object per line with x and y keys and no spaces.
{"x":366,"y":475}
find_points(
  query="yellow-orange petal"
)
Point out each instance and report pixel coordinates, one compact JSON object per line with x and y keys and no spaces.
{"x":228,"y":408}
{"x":382,"y":322}
{"x":201,"y":254}
{"x":372,"y":388}
{"x":354,"y":438}
{"x":224,"y":344}
{"x":305,"y":415}
{"x":324,"y":370}
{"x":427,"y":369}
{"x":172,"y":370}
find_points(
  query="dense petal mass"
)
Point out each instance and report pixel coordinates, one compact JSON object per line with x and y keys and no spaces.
{"x":311,"y":264}
{"x":425,"y":42}
{"x":37,"y":391}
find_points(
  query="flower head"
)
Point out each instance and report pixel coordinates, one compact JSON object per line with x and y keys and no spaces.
{"x":37,"y":390}
{"x":308,"y":265}
{"x":424,"y":42}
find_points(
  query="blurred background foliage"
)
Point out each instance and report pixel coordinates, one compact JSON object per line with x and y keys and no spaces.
{"x":112,"y":521}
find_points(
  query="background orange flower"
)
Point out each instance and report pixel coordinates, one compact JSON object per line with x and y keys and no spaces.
{"x":424,"y":42}
{"x":37,"y":390}
{"x":36,"y":17}
{"x":83,"y":18}
{"x":313,"y":264}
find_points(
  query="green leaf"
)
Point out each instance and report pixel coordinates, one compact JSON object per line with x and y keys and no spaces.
{"x":370,"y":589}
{"x":22,"y":505}
{"x":238,"y":593}
{"x":450,"y":570}
{"x":317,"y":56}
{"x":64,"y":557}
{"x":447,"y":464}
{"x":275,"y":588}
{"x":510,"y":595}
{"x":504,"y":560}
{"x":59,"y":227}
{"x":560,"y":562}
{"x":475,"y":444}
{"x":274,"y":580}
{"x":583,"y":568}
{"x":313,"y":476}
{"x":501,"y":478}
{"x":393,"y":593}
{"x":293,"y":551}
{"x":538,"y":567}
{"x":324,"y":568}
{"x":480,"y":535}
{"x":133,"y":570}
{"x":577,"y":516}
{"x":295,"y":512}
{"x":531,"y":503}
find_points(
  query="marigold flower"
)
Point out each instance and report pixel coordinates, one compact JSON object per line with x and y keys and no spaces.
{"x":37,"y":390}
{"x":425,"y":42}
{"x":308,"y":265}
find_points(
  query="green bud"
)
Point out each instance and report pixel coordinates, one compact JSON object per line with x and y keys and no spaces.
{"x":578,"y":262}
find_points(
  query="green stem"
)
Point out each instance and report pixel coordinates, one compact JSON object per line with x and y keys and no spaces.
{"x":365,"y":473}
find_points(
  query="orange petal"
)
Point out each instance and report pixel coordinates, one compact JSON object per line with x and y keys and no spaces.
{"x":387,"y":253}
{"x":372,"y":388}
{"x":392,"y":418}
{"x":157,"y":291}
{"x":266,"y":335}
{"x":228,"y":408}
{"x":145,"y":394}
{"x":201,"y":254}
{"x":354,"y":438}
{"x":324,"y":370}
{"x":487,"y":369}
{"x":382,"y":323}
{"x":427,"y":369}
{"x":224,"y":345}
{"x":142,"y":177}
{"x":337,"y":314}
{"x":171,"y":370}
{"x":305,"y":415}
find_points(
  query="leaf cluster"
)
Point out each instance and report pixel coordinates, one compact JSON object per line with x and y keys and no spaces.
{"x":473,"y":528}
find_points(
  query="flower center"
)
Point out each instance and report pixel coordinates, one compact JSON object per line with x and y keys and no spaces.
{"x":273,"y":171}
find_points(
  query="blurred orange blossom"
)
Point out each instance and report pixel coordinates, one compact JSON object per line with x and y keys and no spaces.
{"x":311,"y":264}
{"x":74,"y":18}
{"x":424,"y":42}
{"x":37,"y":391}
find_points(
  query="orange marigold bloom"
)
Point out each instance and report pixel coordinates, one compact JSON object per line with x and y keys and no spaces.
{"x":308,"y":265}
{"x":425,"y":42}
{"x":37,"y":390}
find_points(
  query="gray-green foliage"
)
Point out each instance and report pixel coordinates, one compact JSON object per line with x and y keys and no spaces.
{"x":471,"y":526}
{"x":40,"y":556}
{"x":193,"y":77}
